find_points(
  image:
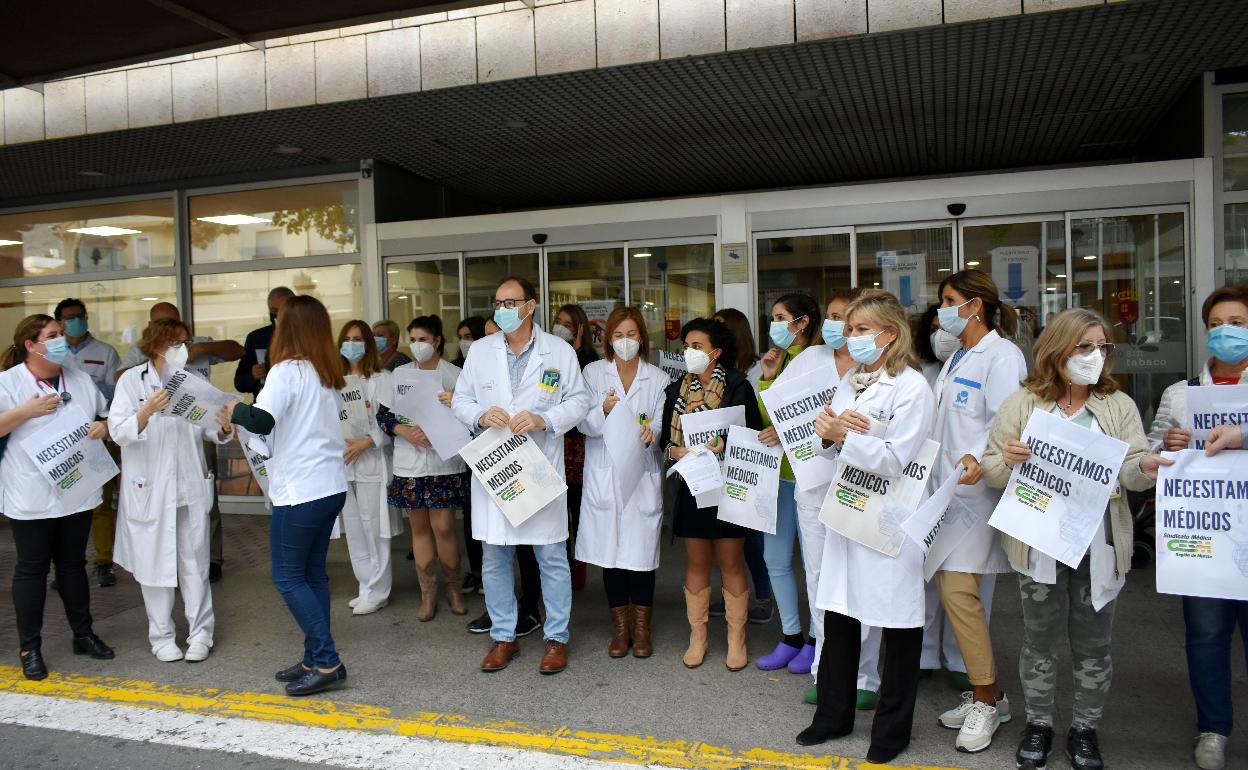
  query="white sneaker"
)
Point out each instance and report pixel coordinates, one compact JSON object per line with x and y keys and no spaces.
{"x":953,"y":718}
{"x":1211,"y":751}
{"x":977,"y":731}
{"x":197,"y":651}
{"x":354,"y":602}
{"x":367,"y":608}
{"x":168,"y":653}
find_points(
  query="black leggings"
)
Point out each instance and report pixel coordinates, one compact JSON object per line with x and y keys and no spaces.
{"x":625,"y":587}
{"x":40,"y":543}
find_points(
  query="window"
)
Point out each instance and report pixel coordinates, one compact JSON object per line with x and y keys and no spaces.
{"x":483,"y":272}
{"x":671,"y":285}
{"x":100,"y":238}
{"x":1236,"y":242}
{"x":591,"y":278}
{"x":1027,"y":261}
{"x":425,"y":288}
{"x":910,"y":262}
{"x":274,"y":222}
{"x":1235,"y":142}
{"x":815,"y":263}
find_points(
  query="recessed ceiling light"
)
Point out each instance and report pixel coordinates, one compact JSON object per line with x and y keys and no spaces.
{"x":1060,"y":275}
{"x":90,"y":172}
{"x":942,"y":269}
{"x":972,"y":264}
{"x":27,"y":291}
{"x":401,"y":296}
{"x":1175,"y":282}
{"x":287,"y":149}
{"x":641,"y":254}
{"x":104,"y":230}
{"x":1052,"y":288}
{"x":392,"y":272}
{"x":515,"y":123}
{"x":807,"y":94}
{"x":10,"y":243}
{"x":235,"y":219}
{"x":877,"y":283}
{"x":148,"y":299}
{"x":1090,"y":256}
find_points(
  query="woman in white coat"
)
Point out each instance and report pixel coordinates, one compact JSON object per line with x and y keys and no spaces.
{"x":619,"y":528}
{"x":166,"y":493}
{"x":366,"y":518}
{"x":880,"y":430}
{"x":972,"y":385}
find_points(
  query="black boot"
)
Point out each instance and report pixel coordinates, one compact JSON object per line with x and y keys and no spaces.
{"x":1035,"y":747}
{"x":33,"y":666}
{"x":1083,"y":750}
{"x":94,"y":646}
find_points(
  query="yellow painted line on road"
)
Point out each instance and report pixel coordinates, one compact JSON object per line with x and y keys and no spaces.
{"x":455,"y":728}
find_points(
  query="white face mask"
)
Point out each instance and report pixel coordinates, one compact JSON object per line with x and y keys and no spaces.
{"x":562,"y":332}
{"x":945,"y":344}
{"x":175,"y":356}
{"x":422,"y":351}
{"x":696,"y":361}
{"x":626,"y":348}
{"x":1085,"y":368}
{"x":464,"y":345}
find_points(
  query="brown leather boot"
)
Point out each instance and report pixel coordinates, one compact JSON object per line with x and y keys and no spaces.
{"x":454,"y":589}
{"x":428,"y":593}
{"x":737,"y":614}
{"x":641,"y":631}
{"x":698,"y":609}
{"x":621,"y":631}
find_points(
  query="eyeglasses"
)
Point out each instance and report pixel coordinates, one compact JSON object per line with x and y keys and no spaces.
{"x":510,"y":304}
{"x":1106,"y":348}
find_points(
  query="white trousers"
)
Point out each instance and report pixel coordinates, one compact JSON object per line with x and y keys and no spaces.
{"x":369,"y":550}
{"x":812,"y":533}
{"x":939,"y":640}
{"x":192,"y":582}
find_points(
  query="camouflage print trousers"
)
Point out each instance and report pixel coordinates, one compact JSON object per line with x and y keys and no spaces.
{"x":1049,"y":613}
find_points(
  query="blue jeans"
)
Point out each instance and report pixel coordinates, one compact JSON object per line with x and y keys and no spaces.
{"x":298,"y":544}
{"x":778,"y":552}
{"x":500,"y":589}
{"x":1210,"y":628}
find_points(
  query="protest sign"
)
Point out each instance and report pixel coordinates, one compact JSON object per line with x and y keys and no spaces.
{"x":417,"y":403}
{"x":698,"y":428}
{"x":192,"y":398}
{"x":514,"y":472}
{"x":256,"y":451}
{"x":672,"y":364}
{"x":958,"y":521}
{"x":869,"y":508}
{"x":924,"y":525}
{"x":793,"y":406}
{"x":700,"y":470}
{"x":1209,"y":406}
{"x":1202,"y":525}
{"x":751,"y":481}
{"x":1055,"y":501}
{"x":621,"y":434}
{"x":74,"y":465}
{"x":352,"y":409}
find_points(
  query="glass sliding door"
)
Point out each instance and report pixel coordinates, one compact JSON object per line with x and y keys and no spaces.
{"x":671,"y":284}
{"x":590,"y":277}
{"x":483,"y":271}
{"x":908,"y":260}
{"x":427,"y":287}
{"x":815,"y":263}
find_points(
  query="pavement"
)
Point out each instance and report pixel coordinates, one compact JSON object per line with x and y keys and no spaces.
{"x":421,"y":681}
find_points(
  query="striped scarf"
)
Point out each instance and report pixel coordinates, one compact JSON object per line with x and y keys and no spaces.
{"x":694,"y":398}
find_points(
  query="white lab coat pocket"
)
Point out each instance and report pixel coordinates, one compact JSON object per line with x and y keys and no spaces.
{"x":137,"y":500}
{"x":1107,"y":581}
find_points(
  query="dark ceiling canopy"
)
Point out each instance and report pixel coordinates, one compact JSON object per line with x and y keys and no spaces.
{"x":1093,"y":85}
{"x":48,"y":40}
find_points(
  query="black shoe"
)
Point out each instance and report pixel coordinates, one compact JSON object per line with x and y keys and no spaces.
{"x":104,"y":576}
{"x":527,"y":624}
{"x":472,"y":584}
{"x":813,"y":736}
{"x":33,"y":666}
{"x":880,"y":756}
{"x":292,"y":674}
{"x":481,"y":625}
{"x":315,"y":681}
{"x":94,"y":646}
{"x":1035,"y":747}
{"x":1082,"y":750}
{"x":214,"y":573}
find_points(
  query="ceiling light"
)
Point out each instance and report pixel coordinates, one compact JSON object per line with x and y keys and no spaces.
{"x":1090,"y":256}
{"x":401,"y":296}
{"x":1176,"y":282}
{"x":9,"y":243}
{"x":236,"y":219}
{"x":972,"y":264}
{"x":27,"y":291}
{"x":148,"y":299}
{"x":942,"y":269}
{"x":392,"y":272}
{"x":1052,"y":288}
{"x":877,"y":283}
{"x":104,"y":230}
{"x":1060,"y":275}
{"x":287,"y":149}
{"x":90,"y":172}
{"x":641,"y":254}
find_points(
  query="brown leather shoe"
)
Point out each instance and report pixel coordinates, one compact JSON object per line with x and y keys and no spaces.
{"x":555,"y":659}
{"x":621,"y":631}
{"x":641,"y":631}
{"x":499,"y":656}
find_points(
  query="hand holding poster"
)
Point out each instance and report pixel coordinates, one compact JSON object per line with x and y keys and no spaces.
{"x":1202,"y":524}
{"x":868,"y":508}
{"x":515,"y":473}
{"x":74,"y":465}
{"x":417,"y":403}
{"x":751,"y":481}
{"x":699,"y":428}
{"x":1055,"y":501}
{"x":251,"y":445}
{"x":193,"y":398}
{"x":352,"y":411}
{"x":700,"y":470}
{"x":793,"y":406}
{"x":1209,"y":406}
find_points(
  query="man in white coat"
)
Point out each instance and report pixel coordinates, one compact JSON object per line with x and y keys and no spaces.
{"x":529,"y":381}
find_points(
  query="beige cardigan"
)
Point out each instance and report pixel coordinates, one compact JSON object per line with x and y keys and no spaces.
{"x":1118,"y":417}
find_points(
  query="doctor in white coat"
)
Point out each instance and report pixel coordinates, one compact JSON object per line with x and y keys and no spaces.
{"x":971,"y":387}
{"x":880,"y":432}
{"x":166,"y":492}
{"x":620,"y":525}
{"x":530,"y":382}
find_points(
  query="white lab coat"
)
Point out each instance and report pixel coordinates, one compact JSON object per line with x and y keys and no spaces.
{"x":858,"y":581}
{"x":621,"y":533}
{"x":486,"y":382}
{"x":162,"y":468}
{"x":967,"y":400}
{"x":372,"y":468}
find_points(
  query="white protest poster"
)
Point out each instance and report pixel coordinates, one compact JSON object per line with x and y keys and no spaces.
{"x":251,"y":445}
{"x":793,"y":406}
{"x":857,"y":506}
{"x":621,"y":433}
{"x":700,"y":470}
{"x":596,"y":311}
{"x":904,"y":276}
{"x":672,"y":364}
{"x":1209,"y":406}
{"x":193,"y":398}
{"x":751,"y":481}
{"x":1016,"y":270}
{"x":914,"y":478}
{"x":924,"y":525}
{"x":352,"y":411}
{"x":73,"y":465}
{"x":1055,"y":501}
{"x":515,"y":473}
{"x":417,"y":403}
{"x":1202,"y":525}
{"x":698,"y":428}
{"x":959,"y":519}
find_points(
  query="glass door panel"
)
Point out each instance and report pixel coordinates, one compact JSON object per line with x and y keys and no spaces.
{"x":813,"y":263}
{"x":671,"y":285}
{"x":910,"y":262}
{"x":482,"y":272}
{"x":429,"y":287}
{"x":592,"y":278}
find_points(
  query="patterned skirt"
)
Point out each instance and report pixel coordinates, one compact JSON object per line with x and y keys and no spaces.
{"x":427,"y":491}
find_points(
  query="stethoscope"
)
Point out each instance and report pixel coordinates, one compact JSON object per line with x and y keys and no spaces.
{"x":63,"y":393}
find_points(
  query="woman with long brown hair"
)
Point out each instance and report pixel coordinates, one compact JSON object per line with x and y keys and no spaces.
{"x":296,"y":413}
{"x":572,"y":326}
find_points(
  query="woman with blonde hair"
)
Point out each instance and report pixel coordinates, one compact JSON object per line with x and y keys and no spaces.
{"x":1073,"y":380}
{"x":876,"y":424}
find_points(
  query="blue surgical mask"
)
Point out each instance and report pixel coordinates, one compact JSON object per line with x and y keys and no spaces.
{"x":950,"y":321}
{"x":508,"y":319}
{"x":1229,"y":344}
{"x":57,"y":350}
{"x":833,"y":333}
{"x":381,"y":343}
{"x":76,"y":327}
{"x":352,"y":350}
{"x":863,"y":350}
{"x":781,"y":335}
